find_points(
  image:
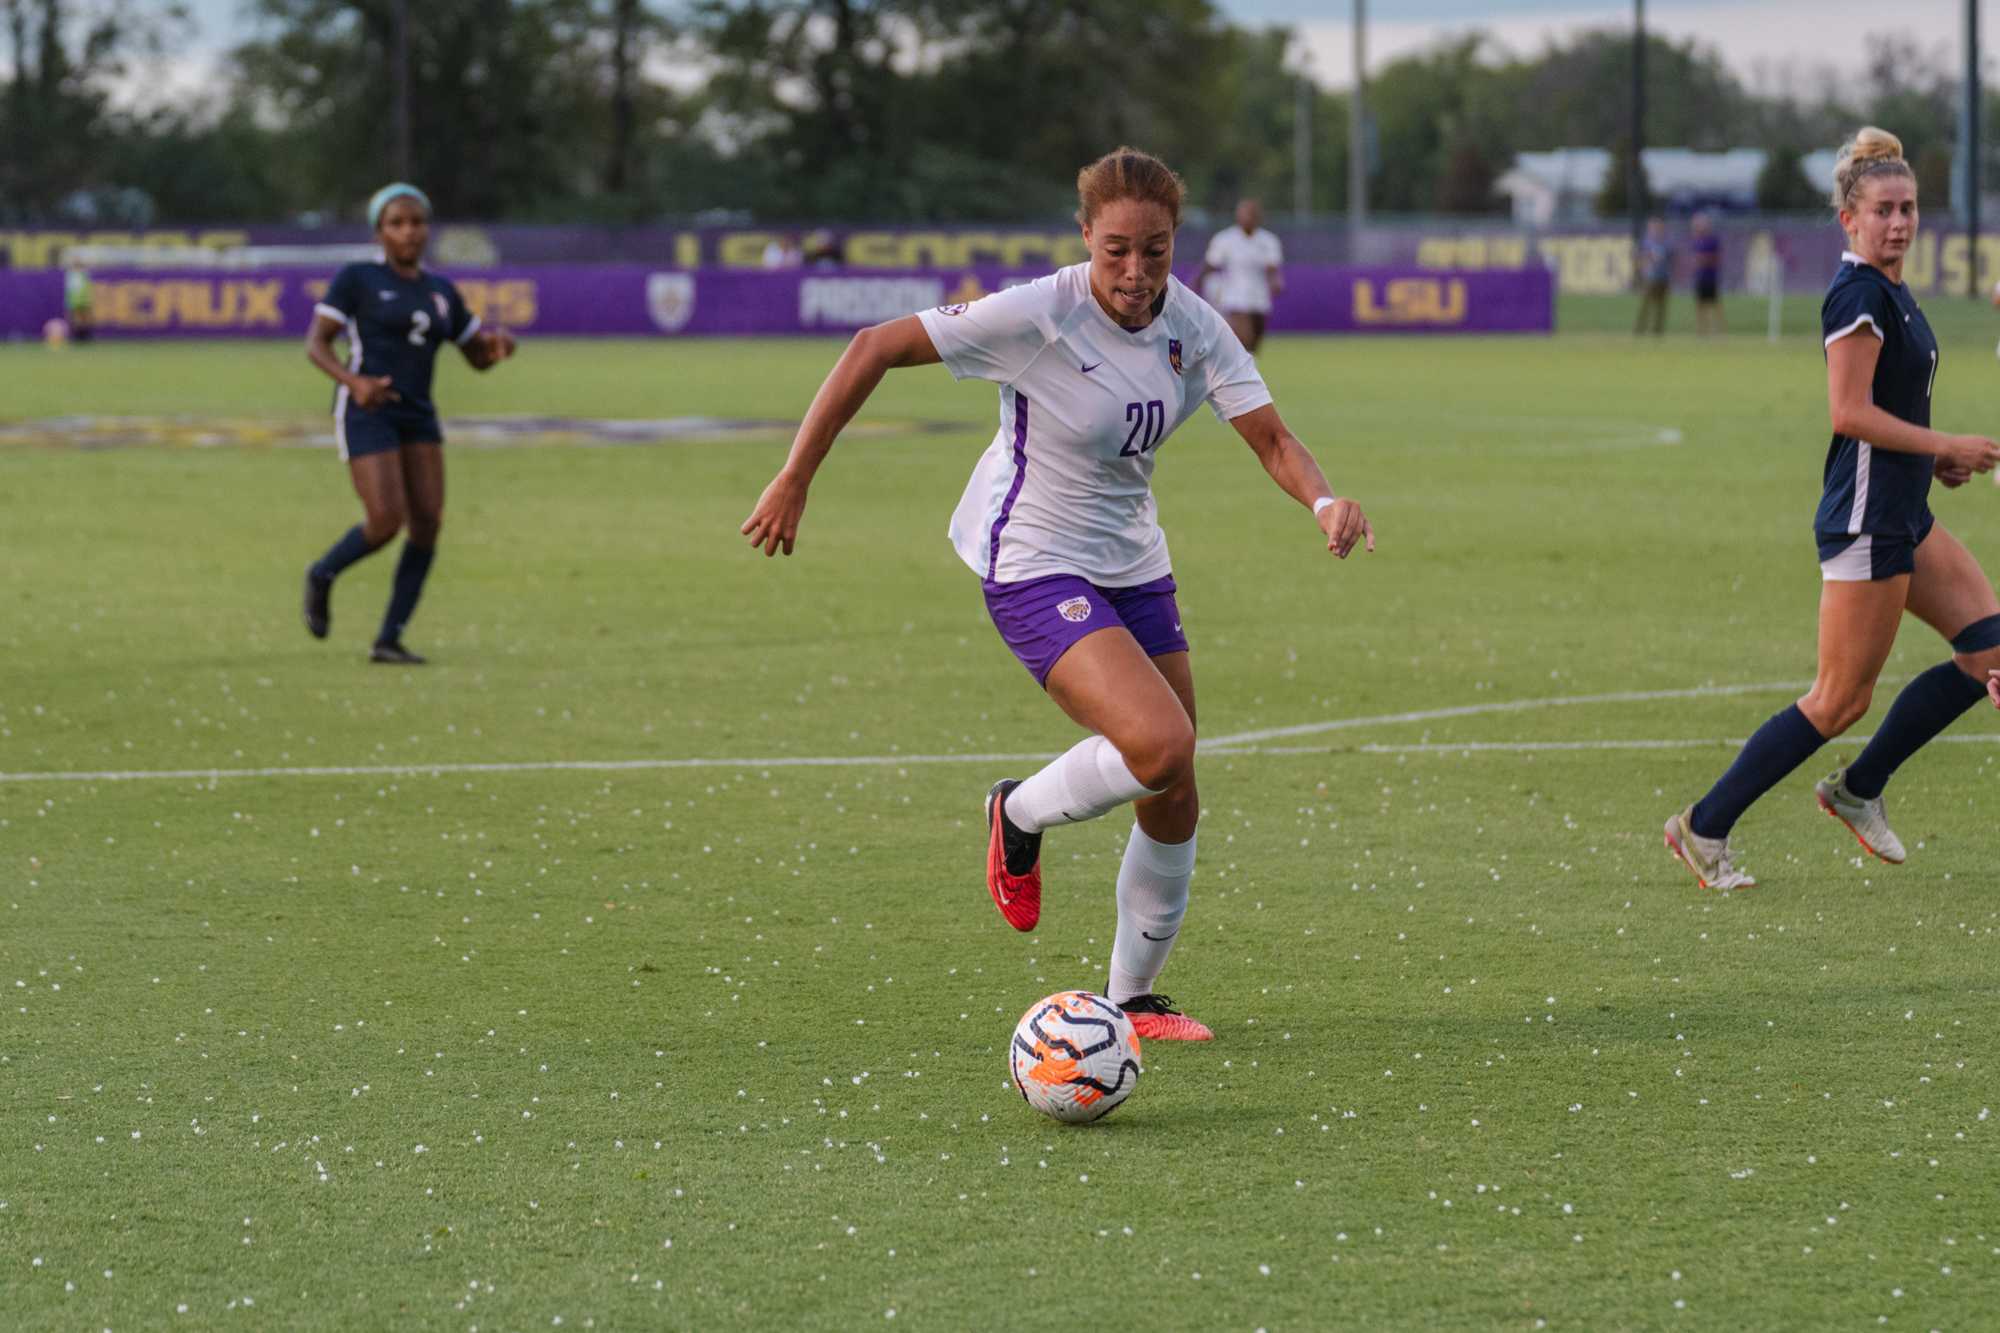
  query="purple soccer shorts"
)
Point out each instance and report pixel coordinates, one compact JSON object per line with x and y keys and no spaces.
{"x":1041,"y":619}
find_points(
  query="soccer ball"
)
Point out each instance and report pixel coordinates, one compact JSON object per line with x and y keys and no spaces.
{"x":1074,"y":1056}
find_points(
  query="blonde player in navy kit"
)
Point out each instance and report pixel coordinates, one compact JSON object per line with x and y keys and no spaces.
{"x":395,"y":316}
{"x":1881,"y":551}
{"x":1097,"y":364}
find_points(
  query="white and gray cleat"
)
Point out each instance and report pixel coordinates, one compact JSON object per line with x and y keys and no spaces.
{"x":1864,"y":818}
{"x":1708,"y":858}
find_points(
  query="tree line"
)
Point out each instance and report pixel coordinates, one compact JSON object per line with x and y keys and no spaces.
{"x":931,"y":110}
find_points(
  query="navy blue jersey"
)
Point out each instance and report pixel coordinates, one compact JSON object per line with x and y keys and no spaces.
{"x":1882,"y":491}
{"x":395,"y":326}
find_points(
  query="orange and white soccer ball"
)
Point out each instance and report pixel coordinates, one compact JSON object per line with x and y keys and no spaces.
{"x":1074,"y":1056}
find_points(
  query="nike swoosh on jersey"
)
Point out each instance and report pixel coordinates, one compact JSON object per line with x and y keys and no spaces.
{"x":1092,"y":366}
{"x":1157,"y":938}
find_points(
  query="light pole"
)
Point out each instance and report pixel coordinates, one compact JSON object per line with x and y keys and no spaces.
{"x":1357,"y":134}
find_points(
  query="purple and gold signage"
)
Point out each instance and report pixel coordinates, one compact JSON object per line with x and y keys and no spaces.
{"x":622,"y":300}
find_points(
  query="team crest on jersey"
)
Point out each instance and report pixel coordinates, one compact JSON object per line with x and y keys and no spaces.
{"x":670,"y":299}
{"x":1076,"y":608}
{"x":1174,"y":354}
{"x":444,"y":310}
{"x":955,"y":308}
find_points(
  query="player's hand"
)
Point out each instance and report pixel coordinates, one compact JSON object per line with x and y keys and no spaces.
{"x":1950,"y":474}
{"x":1969,"y":453}
{"x":371,"y":391}
{"x":499,"y":344}
{"x":774,"y":523}
{"x":1344,"y":524}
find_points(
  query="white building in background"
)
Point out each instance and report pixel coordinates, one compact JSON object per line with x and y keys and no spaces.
{"x":1562,"y":186}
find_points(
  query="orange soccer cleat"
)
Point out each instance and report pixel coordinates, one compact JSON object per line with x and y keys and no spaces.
{"x":1013,"y":862}
{"x":1154,"y":1018}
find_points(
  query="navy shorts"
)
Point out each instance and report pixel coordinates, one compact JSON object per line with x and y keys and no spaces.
{"x":362,"y":433}
{"x":1871,"y":557}
{"x":1707,"y":287}
{"x":1041,"y":619}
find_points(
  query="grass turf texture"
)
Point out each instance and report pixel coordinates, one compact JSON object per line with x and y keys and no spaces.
{"x":471,"y":1049}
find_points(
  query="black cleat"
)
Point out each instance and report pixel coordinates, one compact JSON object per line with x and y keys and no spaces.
{"x":395,"y":654}
{"x":318,"y":606}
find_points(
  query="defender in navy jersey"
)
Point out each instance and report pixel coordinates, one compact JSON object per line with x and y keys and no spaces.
{"x":395,"y":316}
{"x":1096,"y":364}
{"x":1881,"y":551}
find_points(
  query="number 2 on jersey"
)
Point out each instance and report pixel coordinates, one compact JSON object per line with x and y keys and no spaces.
{"x":420,"y":326}
{"x":1149,"y":424}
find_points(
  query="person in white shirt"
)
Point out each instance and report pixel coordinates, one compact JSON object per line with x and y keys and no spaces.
{"x":1097,"y":364}
{"x":1250,"y":262}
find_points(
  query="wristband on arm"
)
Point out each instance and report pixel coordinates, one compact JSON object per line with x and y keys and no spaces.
{"x":1322,"y":503}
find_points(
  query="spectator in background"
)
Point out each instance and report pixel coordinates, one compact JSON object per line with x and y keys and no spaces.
{"x":822,"y":250}
{"x":783,"y":252}
{"x":1248,"y":258}
{"x":77,"y":299}
{"x":1656,"y":276}
{"x":1707,"y":250}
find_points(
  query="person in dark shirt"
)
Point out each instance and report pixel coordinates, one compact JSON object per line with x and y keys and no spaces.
{"x":1881,"y":552}
{"x":394,"y":315}
{"x":1706,"y":247}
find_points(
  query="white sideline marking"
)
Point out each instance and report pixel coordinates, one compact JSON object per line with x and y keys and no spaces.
{"x":526,"y":766}
{"x":1241,"y":743}
{"x":1531,"y":747}
{"x":1507,"y":706}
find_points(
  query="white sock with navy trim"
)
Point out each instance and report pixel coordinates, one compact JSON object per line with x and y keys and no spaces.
{"x":1087,"y":780}
{"x":1152,"y":899}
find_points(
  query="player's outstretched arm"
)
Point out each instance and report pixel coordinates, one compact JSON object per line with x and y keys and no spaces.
{"x":774,"y":522}
{"x":1293,"y":467}
{"x":1993,"y":687}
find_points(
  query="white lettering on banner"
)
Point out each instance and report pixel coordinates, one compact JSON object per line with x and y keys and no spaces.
{"x":852,"y":302}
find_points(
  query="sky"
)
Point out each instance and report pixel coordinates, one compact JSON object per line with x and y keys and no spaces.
{"x":1759,"y":39}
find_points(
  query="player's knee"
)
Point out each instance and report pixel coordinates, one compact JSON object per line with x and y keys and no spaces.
{"x":424,"y":528}
{"x":1843,"y":708}
{"x":381,"y":525}
{"x":1978,"y":662}
{"x":1164,"y":756}
{"x":1976,"y":648}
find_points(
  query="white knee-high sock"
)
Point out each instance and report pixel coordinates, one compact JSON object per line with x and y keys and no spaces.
{"x":1087,"y":780}
{"x":1152,"y":899}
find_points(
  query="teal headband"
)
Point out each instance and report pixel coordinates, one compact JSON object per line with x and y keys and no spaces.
{"x":396,"y":190}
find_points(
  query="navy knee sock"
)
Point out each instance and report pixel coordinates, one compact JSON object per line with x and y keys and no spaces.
{"x":353,"y":544}
{"x":1784,"y":742}
{"x":410,"y":571}
{"x":1927,"y":705}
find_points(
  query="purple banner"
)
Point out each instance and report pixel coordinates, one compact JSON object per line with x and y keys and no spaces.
{"x":1588,"y":258}
{"x":628,"y":300}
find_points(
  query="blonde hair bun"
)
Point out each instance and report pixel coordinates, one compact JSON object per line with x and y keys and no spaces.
{"x":1871,"y":143}
{"x":1871,"y":151}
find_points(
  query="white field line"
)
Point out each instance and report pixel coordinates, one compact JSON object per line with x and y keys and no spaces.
{"x":1242,"y":738}
{"x":1533,"y":747}
{"x":1241,"y":743}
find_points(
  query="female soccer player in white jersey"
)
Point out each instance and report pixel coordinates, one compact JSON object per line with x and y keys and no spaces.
{"x":1097,"y":364}
{"x":1881,"y":552}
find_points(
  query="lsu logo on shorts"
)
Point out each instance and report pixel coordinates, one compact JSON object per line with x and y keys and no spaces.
{"x":1075,"y":609}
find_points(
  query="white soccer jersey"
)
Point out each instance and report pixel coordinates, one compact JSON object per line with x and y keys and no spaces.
{"x":1243,"y":262}
{"x":1085,"y":404}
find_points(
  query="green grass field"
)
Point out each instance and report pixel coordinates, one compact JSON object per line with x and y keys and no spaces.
{"x":360,"y":1043}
